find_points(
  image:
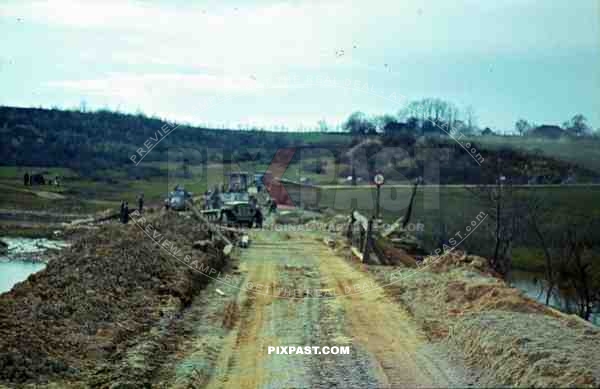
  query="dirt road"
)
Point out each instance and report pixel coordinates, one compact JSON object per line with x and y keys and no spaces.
{"x":292,"y":290}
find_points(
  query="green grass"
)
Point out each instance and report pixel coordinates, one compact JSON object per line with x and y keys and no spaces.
{"x":444,"y":211}
{"x":528,"y":258}
{"x":584,"y":152}
{"x":450,"y":210}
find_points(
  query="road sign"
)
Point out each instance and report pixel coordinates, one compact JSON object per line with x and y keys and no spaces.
{"x":379,"y":180}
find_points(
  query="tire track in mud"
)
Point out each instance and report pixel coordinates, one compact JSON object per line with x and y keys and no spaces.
{"x":265,"y":320}
{"x":384,"y":329}
{"x":229,"y":346}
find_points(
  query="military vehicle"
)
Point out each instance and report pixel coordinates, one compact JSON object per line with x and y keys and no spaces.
{"x":238,"y":182}
{"x":177,"y":199}
{"x":236,"y":209}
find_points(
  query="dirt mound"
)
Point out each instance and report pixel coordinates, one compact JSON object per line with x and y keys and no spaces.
{"x":510,"y":339}
{"x":453,"y":259}
{"x":528,"y":350}
{"x":485,"y":296}
{"x":87,"y":307}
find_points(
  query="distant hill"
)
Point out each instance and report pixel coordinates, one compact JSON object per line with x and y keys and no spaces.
{"x":104,"y":139}
{"x":92,"y":141}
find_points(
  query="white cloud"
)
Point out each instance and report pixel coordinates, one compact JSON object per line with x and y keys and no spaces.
{"x":158,"y":54}
{"x":286,"y":34}
{"x":140,"y":86}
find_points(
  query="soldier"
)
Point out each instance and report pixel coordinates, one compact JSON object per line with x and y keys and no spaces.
{"x":126,"y":213}
{"x":141,"y":202}
{"x":258,"y":218}
{"x":26,"y":179}
{"x":122,"y":212}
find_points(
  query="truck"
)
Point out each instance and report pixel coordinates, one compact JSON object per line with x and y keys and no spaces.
{"x":177,"y":199}
{"x":237,"y":209}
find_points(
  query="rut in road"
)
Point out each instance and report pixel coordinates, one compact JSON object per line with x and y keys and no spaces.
{"x":386,"y":347}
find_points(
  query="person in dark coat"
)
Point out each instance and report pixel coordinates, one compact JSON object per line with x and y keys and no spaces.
{"x":122,"y":212}
{"x":26,"y":179}
{"x":258,"y":218}
{"x":141,"y":202}
{"x":126,"y":213}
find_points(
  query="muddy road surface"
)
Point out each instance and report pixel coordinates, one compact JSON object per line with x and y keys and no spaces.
{"x":290,"y":289}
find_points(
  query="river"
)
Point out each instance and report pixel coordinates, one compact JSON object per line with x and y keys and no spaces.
{"x":23,"y":259}
{"x":532,"y":283}
{"x":12,"y":272}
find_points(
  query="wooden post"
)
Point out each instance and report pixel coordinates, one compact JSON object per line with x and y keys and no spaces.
{"x":377,"y":203}
{"x":368,"y":241}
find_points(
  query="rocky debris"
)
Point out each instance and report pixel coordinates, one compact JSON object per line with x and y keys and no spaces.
{"x":392,"y":246}
{"x":391,"y":255}
{"x":456,"y":258}
{"x":99,"y":299}
{"x":407,"y":242}
{"x":330,"y":242}
{"x":32,"y":249}
{"x":296,"y":217}
{"x":220,"y":292}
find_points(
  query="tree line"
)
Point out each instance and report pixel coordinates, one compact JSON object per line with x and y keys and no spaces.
{"x":434,"y":116}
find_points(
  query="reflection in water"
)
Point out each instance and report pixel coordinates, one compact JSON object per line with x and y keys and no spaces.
{"x":533,"y":285}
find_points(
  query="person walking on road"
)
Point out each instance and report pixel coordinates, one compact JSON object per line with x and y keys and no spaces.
{"x":126,"y":213}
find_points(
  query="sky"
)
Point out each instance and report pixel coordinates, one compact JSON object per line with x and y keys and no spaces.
{"x":276,"y":63}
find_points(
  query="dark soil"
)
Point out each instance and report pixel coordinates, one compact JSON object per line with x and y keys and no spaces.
{"x":82,"y":315}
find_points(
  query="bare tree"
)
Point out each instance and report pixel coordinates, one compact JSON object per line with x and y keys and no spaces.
{"x":322,"y":125}
{"x":503,"y":210}
{"x":577,"y":126}
{"x":359,"y":124}
{"x":537,"y":213}
{"x":470,"y":118}
{"x":522,"y":126}
{"x":574,"y":270}
{"x":431,"y":114}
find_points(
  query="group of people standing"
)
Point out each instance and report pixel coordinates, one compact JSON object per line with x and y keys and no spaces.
{"x":30,"y":179}
{"x":124,"y":214}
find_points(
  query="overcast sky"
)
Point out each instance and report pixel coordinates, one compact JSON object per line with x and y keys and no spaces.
{"x":294,"y":63}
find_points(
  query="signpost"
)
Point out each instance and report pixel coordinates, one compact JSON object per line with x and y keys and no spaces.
{"x":378,"y":180}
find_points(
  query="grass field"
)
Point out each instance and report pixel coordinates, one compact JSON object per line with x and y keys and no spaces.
{"x":584,"y":152}
{"x":444,"y":211}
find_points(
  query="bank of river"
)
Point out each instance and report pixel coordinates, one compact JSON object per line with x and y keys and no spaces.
{"x":24,"y":257}
{"x":532,"y":284}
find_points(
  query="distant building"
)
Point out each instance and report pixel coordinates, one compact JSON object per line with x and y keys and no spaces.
{"x":547,"y":131}
{"x":488,"y":131}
